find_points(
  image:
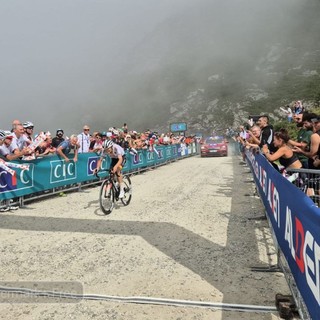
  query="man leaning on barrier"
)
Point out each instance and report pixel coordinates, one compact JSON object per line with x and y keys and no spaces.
{"x":66,"y":146}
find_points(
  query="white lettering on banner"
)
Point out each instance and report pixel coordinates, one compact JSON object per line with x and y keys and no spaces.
{"x":103,"y":164}
{"x":150,"y":156}
{"x":312,"y":265}
{"x":288,"y":232}
{"x":22,"y":174}
{"x":70,"y":168}
{"x":303,"y":248}
{"x":56,"y":171}
{"x":3,"y":185}
{"x":268,"y":188}
{"x":62,"y":171}
{"x":265,"y":182}
{"x":91,"y":165}
{"x":274,"y":201}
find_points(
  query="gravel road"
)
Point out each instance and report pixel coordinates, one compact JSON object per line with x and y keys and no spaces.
{"x":191,"y":233}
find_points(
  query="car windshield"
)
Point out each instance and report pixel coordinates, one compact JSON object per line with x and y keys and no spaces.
{"x":214,"y":140}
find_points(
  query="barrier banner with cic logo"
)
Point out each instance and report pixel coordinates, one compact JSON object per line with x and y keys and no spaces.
{"x":52,"y":171}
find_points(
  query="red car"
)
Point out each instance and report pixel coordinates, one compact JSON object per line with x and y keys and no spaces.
{"x":214,"y":146}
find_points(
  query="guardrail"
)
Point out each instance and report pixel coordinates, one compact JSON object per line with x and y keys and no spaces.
{"x":295,"y":223}
{"x":51,"y":174}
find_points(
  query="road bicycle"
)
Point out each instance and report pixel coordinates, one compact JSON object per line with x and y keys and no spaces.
{"x":109,"y":192}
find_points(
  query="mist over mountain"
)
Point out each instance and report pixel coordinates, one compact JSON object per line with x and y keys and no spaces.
{"x":212,"y":67}
{"x":209,"y":63}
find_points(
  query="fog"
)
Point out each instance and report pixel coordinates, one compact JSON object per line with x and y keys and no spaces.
{"x":65,"y":63}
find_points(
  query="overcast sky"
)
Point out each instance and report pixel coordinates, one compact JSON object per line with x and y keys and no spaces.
{"x":55,"y":53}
{"x":57,"y":56}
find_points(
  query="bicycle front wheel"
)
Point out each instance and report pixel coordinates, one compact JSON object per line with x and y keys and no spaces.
{"x":127,"y":191}
{"x":106,"y":198}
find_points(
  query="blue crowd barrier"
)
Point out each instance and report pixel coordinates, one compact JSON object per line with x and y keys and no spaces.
{"x":52,"y":171}
{"x":295,"y":220}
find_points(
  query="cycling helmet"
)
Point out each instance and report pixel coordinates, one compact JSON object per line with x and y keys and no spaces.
{"x":2,"y":134}
{"x":116,"y":132}
{"x":28,"y":124}
{"x":107,"y":144}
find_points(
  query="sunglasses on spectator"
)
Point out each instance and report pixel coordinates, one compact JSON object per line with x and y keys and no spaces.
{"x":31,"y":128}
{"x":86,"y":129}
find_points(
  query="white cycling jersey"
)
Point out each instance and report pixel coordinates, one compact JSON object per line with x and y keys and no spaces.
{"x":116,"y":151}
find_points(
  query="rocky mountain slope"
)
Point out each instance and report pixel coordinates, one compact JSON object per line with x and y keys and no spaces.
{"x":211,"y":66}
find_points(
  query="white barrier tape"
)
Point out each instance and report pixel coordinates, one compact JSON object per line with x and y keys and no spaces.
{"x":142,"y":300}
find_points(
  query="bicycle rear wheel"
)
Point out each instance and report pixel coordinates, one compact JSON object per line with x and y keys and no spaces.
{"x":127,"y":191}
{"x":106,"y":198}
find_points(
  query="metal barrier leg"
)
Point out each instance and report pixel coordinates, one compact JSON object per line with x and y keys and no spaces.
{"x":21,"y":202}
{"x":286,"y":306}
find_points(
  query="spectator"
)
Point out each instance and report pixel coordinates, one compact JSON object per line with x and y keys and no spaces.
{"x":298,"y":108}
{"x":166,"y":139}
{"x":97,"y":146}
{"x":125,"y":128}
{"x":66,"y":146}
{"x":297,"y":118}
{"x":93,"y":140}
{"x":20,"y":141}
{"x":304,"y":137}
{"x":288,"y":112}
{"x":28,"y":130}
{"x":254,"y":136}
{"x":313,"y":153}
{"x":128,"y":145}
{"x":285,"y":155}
{"x":84,"y":140}
{"x":45,"y":147}
{"x":266,"y":136}
{"x":58,"y":138}
{"x":15,"y":123}
{"x":242,"y":138}
{"x":8,"y":150}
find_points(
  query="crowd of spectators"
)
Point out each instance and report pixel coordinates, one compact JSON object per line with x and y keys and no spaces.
{"x":285,"y":153}
{"x":21,"y":143}
{"x":279,"y":146}
{"x":296,"y":109}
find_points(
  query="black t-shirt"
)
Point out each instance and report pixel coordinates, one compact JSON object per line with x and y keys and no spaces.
{"x":266,"y":137}
{"x":56,"y":141}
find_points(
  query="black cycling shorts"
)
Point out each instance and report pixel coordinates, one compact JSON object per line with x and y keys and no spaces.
{"x":114,"y":161}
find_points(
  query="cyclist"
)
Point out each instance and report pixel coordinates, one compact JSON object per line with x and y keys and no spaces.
{"x":117,"y":156}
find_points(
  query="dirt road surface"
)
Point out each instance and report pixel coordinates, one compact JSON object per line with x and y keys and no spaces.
{"x":192,"y":232}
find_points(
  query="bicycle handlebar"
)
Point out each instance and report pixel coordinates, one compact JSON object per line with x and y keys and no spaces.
{"x":111,"y":173}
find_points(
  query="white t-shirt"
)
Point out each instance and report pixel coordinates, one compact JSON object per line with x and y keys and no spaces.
{"x":84,"y":142}
{"x":19,"y":143}
{"x":4,"y":150}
